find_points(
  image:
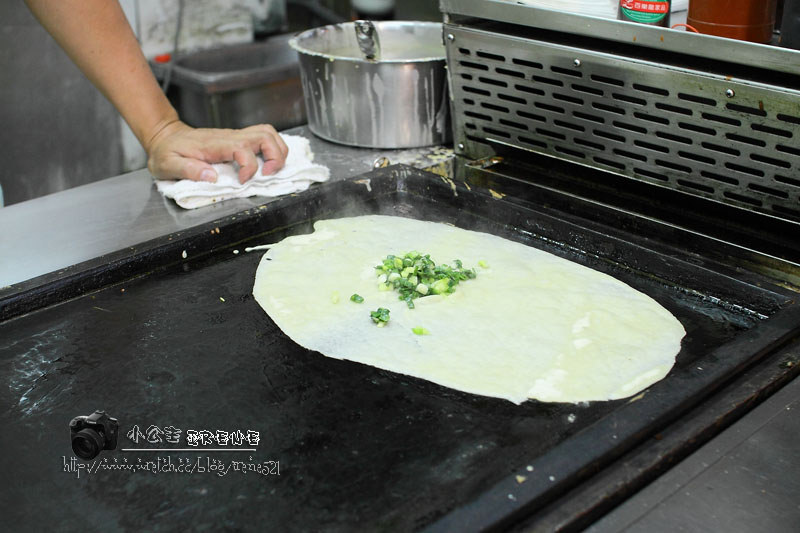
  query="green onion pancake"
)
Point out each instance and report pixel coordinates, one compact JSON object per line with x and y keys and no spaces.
{"x":466,"y":310}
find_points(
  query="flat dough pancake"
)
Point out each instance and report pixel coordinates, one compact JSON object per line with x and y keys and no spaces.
{"x":531,"y":325}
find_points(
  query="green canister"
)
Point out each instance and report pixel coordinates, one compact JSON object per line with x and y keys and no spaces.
{"x":652,"y":12}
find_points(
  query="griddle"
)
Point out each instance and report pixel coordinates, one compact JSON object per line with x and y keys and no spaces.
{"x":168,"y":334}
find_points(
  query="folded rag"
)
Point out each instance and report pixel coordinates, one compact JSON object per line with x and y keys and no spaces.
{"x":297,"y":174}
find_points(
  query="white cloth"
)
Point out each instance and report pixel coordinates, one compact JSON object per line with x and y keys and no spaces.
{"x":297,"y":175}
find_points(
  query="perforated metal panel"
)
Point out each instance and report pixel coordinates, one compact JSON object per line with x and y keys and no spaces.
{"x":734,"y":141}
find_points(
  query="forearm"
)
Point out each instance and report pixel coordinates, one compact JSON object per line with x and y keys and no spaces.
{"x":97,"y":37}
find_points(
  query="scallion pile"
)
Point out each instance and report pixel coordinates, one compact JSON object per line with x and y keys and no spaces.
{"x":414,"y":275}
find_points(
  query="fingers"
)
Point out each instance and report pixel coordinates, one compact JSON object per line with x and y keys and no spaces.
{"x":271,"y":166}
{"x":274,"y":152}
{"x":177,"y":168}
{"x":206,"y":172}
{"x":188,"y":152}
{"x":245,"y":144}
{"x":282,"y":145}
{"x":248,"y":164}
{"x":272,"y":147}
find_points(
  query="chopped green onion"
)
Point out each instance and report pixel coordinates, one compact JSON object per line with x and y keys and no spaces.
{"x":414,"y":275}
{"x":420,"y":331}
{"x":335,"y":297}
{"x":380,"y":316}
{"x":483,"y":264}
{"x":441,"y":286}
{"x":356,"y":298}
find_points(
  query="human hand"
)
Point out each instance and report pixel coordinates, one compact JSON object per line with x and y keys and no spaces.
{"x":178,"y":151}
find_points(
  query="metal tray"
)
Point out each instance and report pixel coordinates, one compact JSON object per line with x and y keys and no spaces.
{"x":156,"y":338}
{"x":238,"y":85}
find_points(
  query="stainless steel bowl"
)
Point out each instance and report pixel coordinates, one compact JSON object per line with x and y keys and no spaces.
{"x":398,"y":100}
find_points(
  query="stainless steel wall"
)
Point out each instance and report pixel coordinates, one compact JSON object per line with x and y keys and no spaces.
{"x":56,"y":130}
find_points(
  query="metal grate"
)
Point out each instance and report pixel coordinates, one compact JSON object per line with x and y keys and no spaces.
{"x":733,"y":141}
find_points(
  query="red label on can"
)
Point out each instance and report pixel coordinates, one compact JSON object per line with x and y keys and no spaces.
{"x":659,"y":7}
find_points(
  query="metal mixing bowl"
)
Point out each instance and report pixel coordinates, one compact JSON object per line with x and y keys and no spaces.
{"x":398,"y":100}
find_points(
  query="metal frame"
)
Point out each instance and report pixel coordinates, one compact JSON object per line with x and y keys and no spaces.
{"x":663,"y":39}
{"x":670,"y":123}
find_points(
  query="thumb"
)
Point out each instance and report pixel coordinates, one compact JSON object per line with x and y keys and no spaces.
{"x":200,"y":171}
{"x":190,"y":169}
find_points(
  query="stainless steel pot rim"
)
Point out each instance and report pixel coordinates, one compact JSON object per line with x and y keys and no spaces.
{"x":294,"y":42}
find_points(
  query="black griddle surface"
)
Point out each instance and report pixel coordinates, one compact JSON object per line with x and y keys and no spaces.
{"x":182,"y":343}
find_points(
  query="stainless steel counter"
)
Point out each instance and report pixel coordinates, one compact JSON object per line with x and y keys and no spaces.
{"x":62,"y":229}
{"x":745,"y":479}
